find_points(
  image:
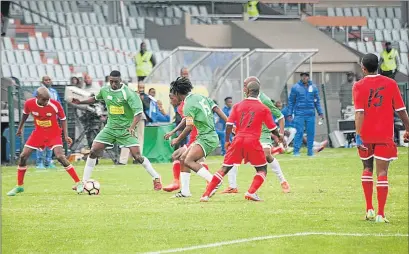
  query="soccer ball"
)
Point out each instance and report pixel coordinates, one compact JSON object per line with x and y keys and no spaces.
{"x":92,"y":187}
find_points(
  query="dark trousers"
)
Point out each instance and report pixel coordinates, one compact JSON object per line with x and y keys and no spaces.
{"x":389,"y":74}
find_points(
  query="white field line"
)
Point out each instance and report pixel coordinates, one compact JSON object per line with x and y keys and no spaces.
{"x":245,"y":240}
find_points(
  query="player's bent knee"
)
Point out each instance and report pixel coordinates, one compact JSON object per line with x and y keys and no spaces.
{"x":139,"y":159}
{"x":93,"y":154}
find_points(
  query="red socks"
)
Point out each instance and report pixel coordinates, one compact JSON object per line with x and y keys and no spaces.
{"x":21,"y":171}
{"x":70,"y":170}
{"x":204,"y":165}
{"x":257,"y":181}
{"x":217,"y":178}
{"x":382,"y":187}
{"x":367,"y":186}
{"x":176,"y":170}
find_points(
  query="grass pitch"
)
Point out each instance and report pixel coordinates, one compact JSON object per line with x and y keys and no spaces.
{"x":129,"y":217}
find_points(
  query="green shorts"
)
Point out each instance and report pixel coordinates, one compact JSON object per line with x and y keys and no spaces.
{"x":120,"y":136}
{"x":208,"y":143}
{"x":265,"y":139}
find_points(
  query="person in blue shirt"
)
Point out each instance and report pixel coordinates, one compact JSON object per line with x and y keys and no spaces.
{"x":41,"y":162}
{"x":228,"y":104}
{"x":303,"y":101}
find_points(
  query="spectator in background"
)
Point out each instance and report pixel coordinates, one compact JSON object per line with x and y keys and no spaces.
{"x":303,"y":101}
{"x":74,"y":81}
{"x":290,"y":130}
{"x":220,"y":126}
{"x":152,"y":92}
{"x":345,"y":92}
{"x":389,"y":62}
{"x":228,"y":104}
{"x":41,"y":162}
{"x":144,"y":98}
{"x":145,"y":61}
{"x":90,"y":86}
{"x":156,"y":111}
{"x":252,"y":8}
{"x":184,"y":72}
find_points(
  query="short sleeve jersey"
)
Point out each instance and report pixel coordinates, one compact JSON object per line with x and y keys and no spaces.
{"x":45,"y":117}
{"x":273,"y":109}
{"x":249,"y":116}
{"x":122,"y":105}
{"x":198,"y":109}
{"x":378,"y":97}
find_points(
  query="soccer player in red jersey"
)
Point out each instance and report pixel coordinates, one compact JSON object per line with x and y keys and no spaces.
{"x":376,"y":98}
{"x":47,"y":133}
{"x":176,"y":156}
{"x":248,"y":116}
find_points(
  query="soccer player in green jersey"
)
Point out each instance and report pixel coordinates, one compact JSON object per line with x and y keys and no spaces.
{"x":124,"y":112}
{"x":265,"y":139}
{"x":198,"y":111}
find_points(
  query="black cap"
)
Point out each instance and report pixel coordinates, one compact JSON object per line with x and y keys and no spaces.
{"x":388,"y":43}
{"x":305,"y":73}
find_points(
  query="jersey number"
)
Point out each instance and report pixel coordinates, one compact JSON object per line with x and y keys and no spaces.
{"x":205,"y":107}
{"x":251,"y":118}
{"x":375,"y":94}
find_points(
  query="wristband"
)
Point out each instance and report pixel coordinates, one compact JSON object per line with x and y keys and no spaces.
{"x":358,"y":140}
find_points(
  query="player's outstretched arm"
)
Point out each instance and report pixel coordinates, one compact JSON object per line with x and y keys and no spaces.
{"x":220,"y":113}
{"x":90,"y":100}
{"x":21,"y":124}
{"x":184,"y":133}
{"x":180,"y":126}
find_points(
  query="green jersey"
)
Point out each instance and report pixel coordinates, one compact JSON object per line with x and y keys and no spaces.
{"x":274,"y":110}
{"x":122,"y":105}
{"x":199,"y":108}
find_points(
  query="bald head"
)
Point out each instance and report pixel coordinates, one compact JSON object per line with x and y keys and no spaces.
{"x":248,"y":81}
{"x":43,"y":96}
{"x":184,"y":72}
{"x":253,"y":89}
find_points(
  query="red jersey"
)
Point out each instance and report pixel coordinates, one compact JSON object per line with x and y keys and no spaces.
{"x":378,"y":96}
{"x":193,"y":133}
{"x":249,"y":116}
{"x":45,"y":117}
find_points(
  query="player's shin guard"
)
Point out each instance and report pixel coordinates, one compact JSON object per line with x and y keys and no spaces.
{"x":21,"y":171}
{"x":148,"y":166}
{"x":367,"y":186}
{"x":258,"y":180}
{"x":275,"y":166}
{"x":216,"y":179}
{"x":176,"y":170}
{"x":185,"y":183}
{"x":382,"y":187}
{"x":203,"y":172}
{"x":71,"y":171}
{"x":205,"y":165}
{"x":89,"y":166}
{"x":232,"y":175}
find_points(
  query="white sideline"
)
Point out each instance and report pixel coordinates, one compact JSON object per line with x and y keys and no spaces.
{"x":245,"y":240}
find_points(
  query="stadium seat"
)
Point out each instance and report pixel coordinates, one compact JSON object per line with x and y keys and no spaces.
{"x":41,"y":71}
{"x":66,"y":70}
{"x":361,"y":47}
{"x":104,"y":32}
{"x":364,"y":12}
{"x":15,"y":71}
{"x":78,"y":58}
{"x":69,"y":20}
{"x":379,"y":24}
{"x":32,"y":70}
{"x":159,"y":21}
{"x":155,"y":45}
{"x":36,"y":57}
{"x":41,"y":43}
{"x":124,"y":44}
{"x":58,"y":44}
{"x":160,"y":12}
{"x":50,"y":71}
{"x":347,"y":12}
{"x":49,"y":6}
{"x":6,"y":72}
{"x":371,"y":24}
{"x":101,"y":19}
{"x":70,"y":57}
{"x":99,"y":73}
{"x":107,"y":69}
{"x":387,"y":35}
{"x":398,"y":13}
{"x":373,"y":12}
{"x":388,"y":24}
{"x":52,"y":16}
{"x":61,"y":17}
{"x":66,"y":6}
{"x":142,"y":11}
{"x":138,"y":42}
{"x":61,"y":58}
{"x":96,"y":32}
{"x":370,"y":47}
{"x":75,"y":44}
{"x":95,"y":57}
{"x":81,"y":32}
{"x":8,"y":45}
{"x":132,"y":23}
{"x":91,"y":71}
{"x":403,"y":34}
{"x":64,"y":32}
{"x":59,"y":75}
{"x":56,"y":31}
{"x":389,"y":13}
{"x":178,"y":12}
{"x":395,"y":35}
{"x":84,"y":44}
{"x":112,"y":31}
{"x":403,"y":47}
{"x":25,"y":74}
{"x":108,"y":43}
{"x":19,"y":57}
{"x":87,"y":58}
{"x":104,"y":57}
{"x":85,"y":18}
{"x":33,"y":5}
{"x":11,"y":59}
{"x":167,"y":21}
{"x":124,"y":71}
{"x":67,"y":44}
{"x":28,"y":58}
{"x":127,"y":32}
{"x":132,"y":46}
{"x":100,"y":43}
{"x":404,"y":59}
{"x":3,"y":56}
{"x":92,"y":44}
{"x":132,"y":71}
{"x":115,"y":44}
{"x":396,"y":24}
{"x":32,"y":42}
{"x":73,"y":5}
{"x":120,"y":58}
{"x":58,"y":6}
{"x":112,"y":57}
{"x":93,"y":19}
{"x":141,"y":23}
{"x":72,"y":31}
{"x":27,"y":18}
{"x":381,"y":12}
{"x":378,"y":46}
{"x":133,"y":11}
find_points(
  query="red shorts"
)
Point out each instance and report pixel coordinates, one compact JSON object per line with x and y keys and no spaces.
{"x":386,"y":152}
{"x":41,"y":141}
{"x":248,"y":149}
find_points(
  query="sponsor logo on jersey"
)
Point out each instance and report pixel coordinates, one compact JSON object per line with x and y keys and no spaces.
{"x":46,"y":123}
{"x":35,"y":113}
{"x":109,"y":97}
{"x":48,"y":114}
{"x":116,"y":110}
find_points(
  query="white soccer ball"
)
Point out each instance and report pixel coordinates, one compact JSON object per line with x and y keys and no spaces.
{"x":92,"y":187}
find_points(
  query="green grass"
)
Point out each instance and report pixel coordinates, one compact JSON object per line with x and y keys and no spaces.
{"x":129,"y":217}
